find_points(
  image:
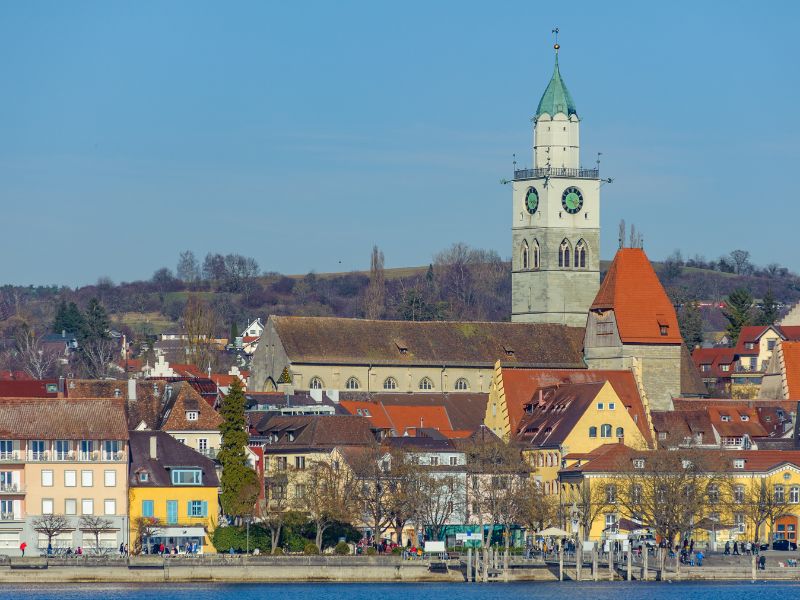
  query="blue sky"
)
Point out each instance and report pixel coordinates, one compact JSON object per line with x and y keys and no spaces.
{"x":302,"y":133}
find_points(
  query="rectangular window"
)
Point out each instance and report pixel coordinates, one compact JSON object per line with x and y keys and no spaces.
{"x":779,"y":494}
{"x":794,"y":494}
{"x":47,"y":478}
{"x":70,"y":506}
{"x":87,"y":478}
{"x":738,"y":463}
{"x":280,"y":463}
{"x":110,"y":478}
{"x":187,"y":477}
{"x":739,"y":522}
{"x":6,"y":449}
{"x":299,"y":462}
{"x":38,"y":450}
{"x":202,"y":444}
{"x":87,"y":506}
{"x":771,"y":345}
{"x":638,"y":463}
{"x":605,"y":328}
{"x":191,"y":415}
{"x":147,"y":508}
{"x":453,"y":461}
{"x":112,"y":450}
{"x":109,"y":507}
{"x":197,"y":508}
{"x":612,"y":405}
{"x":662,"y":435}
{"x":87,"y":449}
{"x":600,"y":406}
{"x":299,"y":490}
{"x":47,"y":506}
{"x":62,"y":449}
{"x":172,"y":511}
{"x":434,"y":461}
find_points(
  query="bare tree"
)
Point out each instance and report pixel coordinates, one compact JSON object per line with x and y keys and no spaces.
{"x":200,"y":324}
{"x":36,"y":359}
{"x":146,"y":529}
{"x":188,"y":268}
{"x":402,"y":506}
{"x":759,"y":502}
{"x":51,"y":526}
{"x":372,"y":469}
{"x":440,"y":497}
{"x":97,"y":355}
{"x":375,"y":294}
{"x":666,"y":490}
{"x":590,"y":500}
{"x":95,"y":526}
{"x":741,"y":262}
{"x":535,"y":509}
{"x":273,"y":508}
{"x":327,"y":497}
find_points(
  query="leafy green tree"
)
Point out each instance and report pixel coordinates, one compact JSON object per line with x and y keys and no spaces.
{"x":68,"y":318}
{"x":239,"y":482}
{"x":738,"y":310}
{"x":690,"y":320}
{"x":768,"y":313}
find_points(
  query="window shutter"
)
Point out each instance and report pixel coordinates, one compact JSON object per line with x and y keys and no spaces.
{"x":204,"y":508}
{"x":189,"y":508}
{"x":17,"y":507}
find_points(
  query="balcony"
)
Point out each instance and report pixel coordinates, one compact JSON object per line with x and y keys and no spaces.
{"x":8,"y":516}
{"x":13,"y":456}
{"x":556,"y":172}
{"x":209,"y":452}
{"x":71,"y":456}
{"x":11,"y":489}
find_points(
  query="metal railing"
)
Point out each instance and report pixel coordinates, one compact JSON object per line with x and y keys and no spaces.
{"x":71,"y":456}
{"x":557,"y":172}
{"x":11,"y":488}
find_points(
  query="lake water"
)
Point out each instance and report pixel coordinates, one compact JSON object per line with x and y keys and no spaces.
{"x":430,"y":591}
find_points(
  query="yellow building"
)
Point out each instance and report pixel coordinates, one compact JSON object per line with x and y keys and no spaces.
{"x":173,"y":494}
{"x":746,"y":495}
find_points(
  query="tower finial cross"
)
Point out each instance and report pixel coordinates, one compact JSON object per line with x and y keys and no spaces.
{"x":555,"y":32}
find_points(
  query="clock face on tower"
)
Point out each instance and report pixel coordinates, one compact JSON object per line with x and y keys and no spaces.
{"x":532,"y":200}
{"x":572,"y":200}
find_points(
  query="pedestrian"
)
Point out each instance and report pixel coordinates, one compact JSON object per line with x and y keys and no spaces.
{"x":161,"y":548}
{"x":49,"y":549}
{"x":122,"y":549}
{"x":700,"y":556}
{"x":736,"y":548}
{"x":727,"y":548}
{"x":22,"y":547}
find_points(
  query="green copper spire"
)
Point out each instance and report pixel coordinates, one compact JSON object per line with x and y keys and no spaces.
{"x":556,"y":98}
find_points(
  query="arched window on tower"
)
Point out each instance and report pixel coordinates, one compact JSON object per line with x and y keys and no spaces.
{"x":564,"y":254}
{"x":535,"y":254}
{"x":525,"y":255}
{"x":580,"y":255}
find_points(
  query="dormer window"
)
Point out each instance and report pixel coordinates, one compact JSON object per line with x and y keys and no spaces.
{"x":291,"y":436}
{"x":725,"y":418}
{"x":144,"y":477}
{"x":638,"y":463}
{"x":192,"y":415}
{"x":187,"y":477}
{"x":664,"y":329}
{"x":738,"y":463}
{"x":744,"y":417}
{"x":749,"y":345}
{"x":402,"y":347}
{"x":508,"y":350}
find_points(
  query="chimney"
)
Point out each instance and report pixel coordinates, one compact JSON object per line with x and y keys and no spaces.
{"x":61,"y":386}
{"x":131,"y":389}
{"x":154,"y":447}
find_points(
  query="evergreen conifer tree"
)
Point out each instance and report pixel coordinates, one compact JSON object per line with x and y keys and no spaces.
{"x":769,"y":309}
{"x":239,"y":482}
{"x":738,"y":311}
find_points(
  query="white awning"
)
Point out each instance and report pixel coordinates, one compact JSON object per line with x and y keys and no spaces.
{"x":198,"y":532}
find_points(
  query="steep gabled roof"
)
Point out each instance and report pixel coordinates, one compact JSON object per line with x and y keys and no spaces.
{"x":328,"y":340}
{"x":555,"y":412}
{"x":170,"y":453}
{"x":790,"y":353}
{"x":320,"y":432}
{"x":184,"y":398}
{"x":520,"y":386}
{"x":641,"y":306}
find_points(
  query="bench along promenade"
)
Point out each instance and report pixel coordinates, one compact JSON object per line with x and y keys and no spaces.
{"x":466,"y":567}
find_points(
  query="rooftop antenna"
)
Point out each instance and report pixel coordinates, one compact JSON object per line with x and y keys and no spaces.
{"x":555,"y":32}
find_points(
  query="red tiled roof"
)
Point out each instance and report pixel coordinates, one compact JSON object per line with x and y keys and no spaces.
{"x":791,"y":364}
{"x":225,"y":380}
{"x":62,"y":418}
{"x":520,"y":385}
{"x":641,"y":306}
{"x":714,"y":357}
{"x":375,"y":413}
{"x":742,"y":421}
{"x":7,"y":375}
{"x":406,"y":417}
{"x":31,"y":388}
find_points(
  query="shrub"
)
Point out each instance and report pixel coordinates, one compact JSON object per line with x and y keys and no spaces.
{"x":278,"y":552}
{"x":342,"y":549}
{"x":397,"y":551}
{"x":371,"y":551}
{"x":310,"y":548}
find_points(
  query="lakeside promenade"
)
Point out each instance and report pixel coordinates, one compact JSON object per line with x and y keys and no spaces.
{"x":254,"y":569}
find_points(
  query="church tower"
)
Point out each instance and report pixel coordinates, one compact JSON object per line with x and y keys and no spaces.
{"x":556,"y":219}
